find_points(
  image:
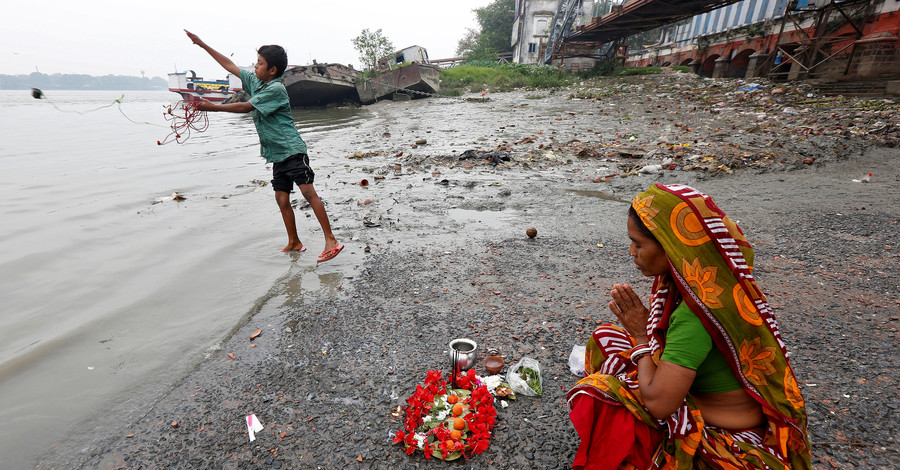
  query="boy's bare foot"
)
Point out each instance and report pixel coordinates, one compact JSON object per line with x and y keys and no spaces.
{"x":330,"y":244}
{"x":332,"y":248}
{"x":295,"y":246}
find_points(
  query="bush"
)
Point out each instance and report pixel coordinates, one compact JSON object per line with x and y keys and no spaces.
{"x":474,"y":76}
{"x":600,"y":69}
{"x":627,"y":71}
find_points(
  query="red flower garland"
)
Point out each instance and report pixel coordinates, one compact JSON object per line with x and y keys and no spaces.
{"x":479,"y":420}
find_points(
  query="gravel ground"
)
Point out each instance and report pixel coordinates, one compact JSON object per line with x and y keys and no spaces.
{"x":439,"y":252}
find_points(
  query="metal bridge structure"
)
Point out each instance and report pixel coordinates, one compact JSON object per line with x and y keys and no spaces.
{"x":612,"y":28}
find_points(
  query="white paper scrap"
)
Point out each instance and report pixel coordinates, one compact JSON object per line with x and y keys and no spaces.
{"x":253,"y":426}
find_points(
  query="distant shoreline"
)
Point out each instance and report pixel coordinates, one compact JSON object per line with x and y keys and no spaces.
{"x":81,"y":82}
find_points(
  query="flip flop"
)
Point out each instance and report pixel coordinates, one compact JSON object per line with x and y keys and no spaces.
{"x":327,"y":255}
{"x":301,"y":250}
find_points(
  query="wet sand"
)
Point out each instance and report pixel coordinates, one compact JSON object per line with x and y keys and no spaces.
{"x":437,"y":250}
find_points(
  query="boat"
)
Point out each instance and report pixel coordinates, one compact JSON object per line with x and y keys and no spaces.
{"x":320,"y":84}
{"x":192,"y":88}
{"x":406,"y":72}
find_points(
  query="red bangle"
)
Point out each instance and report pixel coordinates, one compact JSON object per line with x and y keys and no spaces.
{"x":638,"y":352}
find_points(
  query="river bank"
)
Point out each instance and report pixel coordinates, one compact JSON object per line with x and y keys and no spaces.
{"x":437,"y":250}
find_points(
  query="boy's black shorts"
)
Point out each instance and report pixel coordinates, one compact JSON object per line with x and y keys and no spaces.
{"x":293,"y":169}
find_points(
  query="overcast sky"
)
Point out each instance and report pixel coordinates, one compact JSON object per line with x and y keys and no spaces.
{"x":125,"y":37}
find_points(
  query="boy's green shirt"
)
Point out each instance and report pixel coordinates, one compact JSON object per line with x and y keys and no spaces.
{"x":278,"y":138}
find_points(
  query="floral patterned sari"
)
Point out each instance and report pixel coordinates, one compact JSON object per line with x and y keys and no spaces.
{"x":710,"y":263}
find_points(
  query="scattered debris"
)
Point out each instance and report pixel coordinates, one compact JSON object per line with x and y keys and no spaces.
{"x":253,"y":426}
{"x":172,"y":197}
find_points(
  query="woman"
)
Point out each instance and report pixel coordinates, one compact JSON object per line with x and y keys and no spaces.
{"x":701,"y":379}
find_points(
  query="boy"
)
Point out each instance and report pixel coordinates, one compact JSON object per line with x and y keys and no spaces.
{"x":280,"y":142}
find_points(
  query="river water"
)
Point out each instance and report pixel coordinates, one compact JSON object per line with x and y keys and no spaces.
{"x":112,"y":290}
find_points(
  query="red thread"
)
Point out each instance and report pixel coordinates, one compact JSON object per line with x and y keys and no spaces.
{"x":184,"y":116}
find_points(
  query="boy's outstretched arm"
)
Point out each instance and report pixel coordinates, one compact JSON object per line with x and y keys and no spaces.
{"x":238,"y":107}
{"x":225,"y":62}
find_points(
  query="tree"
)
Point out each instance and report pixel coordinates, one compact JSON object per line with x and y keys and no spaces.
{"x":371,"y":47}
{"x":467,"y":44}
{"x":496,"y":21}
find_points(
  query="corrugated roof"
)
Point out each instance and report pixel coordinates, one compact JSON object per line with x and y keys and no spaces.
{"x":642,"y":15}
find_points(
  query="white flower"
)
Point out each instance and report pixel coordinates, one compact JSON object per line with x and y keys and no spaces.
{"x":492,"y":382}
{"x":420,"y":438}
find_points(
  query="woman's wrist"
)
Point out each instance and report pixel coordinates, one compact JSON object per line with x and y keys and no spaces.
{"x":638,"y":352}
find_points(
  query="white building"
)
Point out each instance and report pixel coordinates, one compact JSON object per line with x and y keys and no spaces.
{"x":531,"y":29}
{"x":534,"y":20}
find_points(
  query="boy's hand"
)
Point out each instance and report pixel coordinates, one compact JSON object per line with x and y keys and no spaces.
{"x":205,"y":105}
{"x":194,"y":38}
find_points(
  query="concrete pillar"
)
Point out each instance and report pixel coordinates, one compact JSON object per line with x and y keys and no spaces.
{"x":695,"y":66}
{"x":721,"y":68}
{"x":757,"y":59}
{"x":797,"y":71}
{"x":892,"y":87}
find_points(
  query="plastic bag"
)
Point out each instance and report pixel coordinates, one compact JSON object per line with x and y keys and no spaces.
{"x":576,"y":360}
{"x":525,"y":378}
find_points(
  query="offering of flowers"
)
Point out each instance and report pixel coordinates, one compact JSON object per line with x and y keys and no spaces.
{"x":448,"y":423}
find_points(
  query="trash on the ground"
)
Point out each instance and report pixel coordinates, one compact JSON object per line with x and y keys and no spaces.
{"x":231,"y":355}
{"x":256,"y":333}
{"x":531,"y":232}
{"x":576,"y":360}
{"x":173,"y":197}
{"x":253,"y":426}
{"x":525,"y":378}
{"x":174,"y":424}
{"x":494,"y":157}
{"x":864,"y":179}
{"x":364,"y":182}
{"x":651,"y":169}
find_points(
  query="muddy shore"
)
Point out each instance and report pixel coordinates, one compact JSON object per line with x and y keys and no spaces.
{"x":436,"y":250}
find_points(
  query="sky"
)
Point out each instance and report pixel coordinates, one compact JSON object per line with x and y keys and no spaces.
{"x":125,"y":37}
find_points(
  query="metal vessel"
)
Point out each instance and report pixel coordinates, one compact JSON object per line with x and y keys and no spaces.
{"x":320,"y":84}
{"x":192,"y":88}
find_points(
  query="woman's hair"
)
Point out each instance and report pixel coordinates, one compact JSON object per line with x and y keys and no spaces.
{"x":275,"y":57}
{"x":640,"y":224}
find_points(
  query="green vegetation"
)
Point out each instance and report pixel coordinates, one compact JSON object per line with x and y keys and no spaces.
{"x":371,"y":47}
{"x":495,"y":21}
{"x":475,"y":76}
{"x":682,"y":68}
{"x":628,"y":71}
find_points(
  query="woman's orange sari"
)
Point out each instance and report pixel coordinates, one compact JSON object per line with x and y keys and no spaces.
{"x":710,"y":263}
